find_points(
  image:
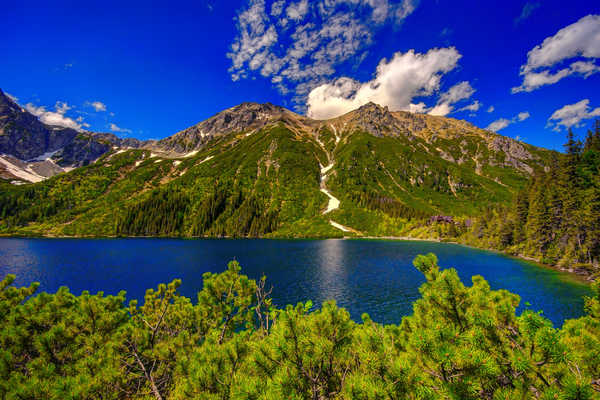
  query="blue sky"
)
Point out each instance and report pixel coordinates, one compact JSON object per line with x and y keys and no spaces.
{"x":528,"y":69}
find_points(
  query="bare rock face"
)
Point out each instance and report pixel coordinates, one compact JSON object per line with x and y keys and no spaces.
{"x":376,"y":120}
{"x":22,"y":135}
{"x":241,"y":118}
{"x":509,"y":146}
{"x":119,"y":142}
{"x":514,"y":151}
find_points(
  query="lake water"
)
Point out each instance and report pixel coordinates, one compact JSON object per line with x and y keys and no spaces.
{"x":372,"y":276}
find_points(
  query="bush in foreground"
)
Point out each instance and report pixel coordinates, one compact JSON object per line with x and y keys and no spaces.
{"x":461,"y":342}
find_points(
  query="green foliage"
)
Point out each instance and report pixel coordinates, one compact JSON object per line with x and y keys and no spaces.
{"x":556,"y":218}
{"x":160,"y":215}
{"x":461,"y":342}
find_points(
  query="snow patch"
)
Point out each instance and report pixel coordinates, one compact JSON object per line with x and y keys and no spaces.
{"x":27,"y":175}
{"x":338,"y":226}
{"x":46,"y":156}
{"x":320,"y":143}
{"x":206,"y":159}
{"x":337,"y":138}
{"x":333,"y":203}
{"x":325,"y":170}
{"x":190,"y":154}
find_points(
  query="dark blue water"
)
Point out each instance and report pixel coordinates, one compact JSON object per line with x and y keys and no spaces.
{"x":372,"y":276}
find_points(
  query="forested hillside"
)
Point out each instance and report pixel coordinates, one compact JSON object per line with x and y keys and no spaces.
{"x":556,"y":218}
{"x":461,"y":342}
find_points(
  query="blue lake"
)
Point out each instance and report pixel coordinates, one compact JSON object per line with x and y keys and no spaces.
{"x":364,"y":276}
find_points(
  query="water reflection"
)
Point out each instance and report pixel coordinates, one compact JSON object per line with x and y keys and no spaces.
{"x":332,"y":273}
{"x":23,"y":261}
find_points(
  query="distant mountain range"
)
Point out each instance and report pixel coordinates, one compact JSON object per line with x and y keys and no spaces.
{"x":256,"y":170}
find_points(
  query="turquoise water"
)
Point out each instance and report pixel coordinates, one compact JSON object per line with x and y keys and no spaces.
{"x":372,"y":276}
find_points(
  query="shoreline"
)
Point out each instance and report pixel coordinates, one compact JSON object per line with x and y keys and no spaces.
{"x":581,"y":275}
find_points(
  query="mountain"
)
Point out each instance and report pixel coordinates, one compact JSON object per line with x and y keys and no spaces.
{"x":31,"y":151}
{"x":262,"y":170}
{"x":242,"y":118}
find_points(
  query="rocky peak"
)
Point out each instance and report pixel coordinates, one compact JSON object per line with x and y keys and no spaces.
{"x":371,"y":107}
{"x":241,"y":118}
{"x":7,"y":105}
{"x":373,"y":118}
{"x":24,"y":137}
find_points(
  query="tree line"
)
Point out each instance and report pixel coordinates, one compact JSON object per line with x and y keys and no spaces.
{"x":225,"y":210}
{"x":556,"y":217}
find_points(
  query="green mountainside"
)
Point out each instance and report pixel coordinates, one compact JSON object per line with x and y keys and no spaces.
{"x":260,"y":170}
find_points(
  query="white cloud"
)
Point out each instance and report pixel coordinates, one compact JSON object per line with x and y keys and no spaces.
{"x":297,"y":11}
{"x":403,"y":10}
{"x":440,"y":110}
{"x":528,"y":9}
{"x":572,"y":114}
{"x":499,"y":124}
{"x":298,"y":44}
{"x":446,"y":32}
{"x":503,"y":122}
{"x":97,"y":105}
{"x":54,"y":118}
{"x":419,"y":108}
{"x":473,"y":107}
{"x":458,"y":92}
{"x":396,"y":83}
{"x":115,"y":128}
{"x":581,"y":39}
{"x":277,"y":8}
{"x":491,"y":109}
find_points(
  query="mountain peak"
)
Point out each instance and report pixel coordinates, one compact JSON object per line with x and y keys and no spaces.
{"x":6,"y":101}
{"x":371,"y":106}
{"x":264,"y":108}
{"x":241,"y":118}
{"x":372,"y":118}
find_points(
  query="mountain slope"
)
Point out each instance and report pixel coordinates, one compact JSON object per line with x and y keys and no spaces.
{"x":262,"y":170}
